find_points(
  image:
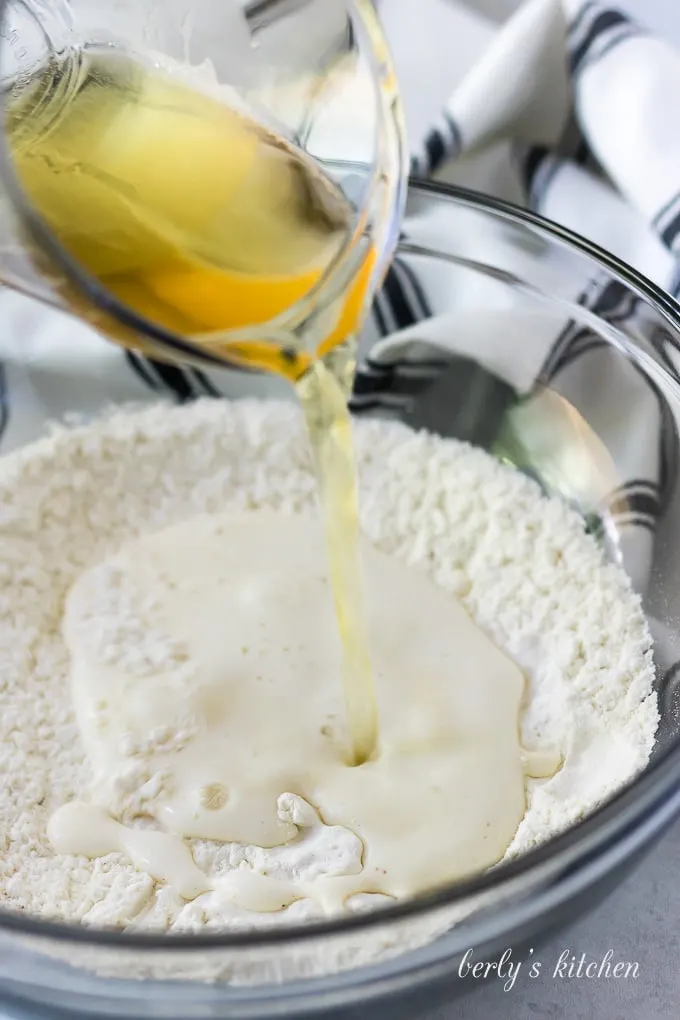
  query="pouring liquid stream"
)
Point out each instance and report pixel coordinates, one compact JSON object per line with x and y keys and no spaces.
{"x":202,"y":220}
{"x":324,"y":400}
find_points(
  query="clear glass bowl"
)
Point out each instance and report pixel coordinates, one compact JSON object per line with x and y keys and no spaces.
{"x":495,"y":278}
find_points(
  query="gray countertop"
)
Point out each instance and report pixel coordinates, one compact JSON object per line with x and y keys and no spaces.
{"x":639,"y":923}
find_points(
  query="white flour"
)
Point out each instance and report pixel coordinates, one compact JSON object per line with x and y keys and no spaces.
{"x":521,"y":564}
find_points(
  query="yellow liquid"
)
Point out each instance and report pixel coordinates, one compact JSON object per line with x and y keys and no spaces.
{"x":323,"y":394}
{"x":202,"y":220}
{"x":193,"y":214}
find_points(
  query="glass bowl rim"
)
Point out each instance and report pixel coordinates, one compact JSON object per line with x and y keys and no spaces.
{"x":643,"y":797}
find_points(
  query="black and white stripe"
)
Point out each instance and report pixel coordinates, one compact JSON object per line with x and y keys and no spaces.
{"x":580,"y":25}
{"x":538,"y":166}
{"x":444,"y":141}
{"x":182,"y":383}
{"x":597,"y":31}
{"x":635,"y":502}
{"x":392,"y":383}
{"x":666,"y":223}
{"x":607,"y":299}
{"x":401,"y":302}
{"x":674,"y":285}
{"x":573,"y":343}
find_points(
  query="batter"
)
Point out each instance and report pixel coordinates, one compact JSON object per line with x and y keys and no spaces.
{"x":220,"y":632}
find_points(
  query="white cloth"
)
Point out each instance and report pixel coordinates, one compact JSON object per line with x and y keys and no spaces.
{"x":572,"y":107}
{"x":588,"y":99}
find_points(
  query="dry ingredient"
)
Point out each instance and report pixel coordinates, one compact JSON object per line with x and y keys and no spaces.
{"x":521,"y":564}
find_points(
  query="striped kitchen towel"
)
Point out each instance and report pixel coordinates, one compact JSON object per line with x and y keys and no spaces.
{"x":583,"y":104}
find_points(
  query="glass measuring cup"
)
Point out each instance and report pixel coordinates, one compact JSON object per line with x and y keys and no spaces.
{"x":314,"y":73}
